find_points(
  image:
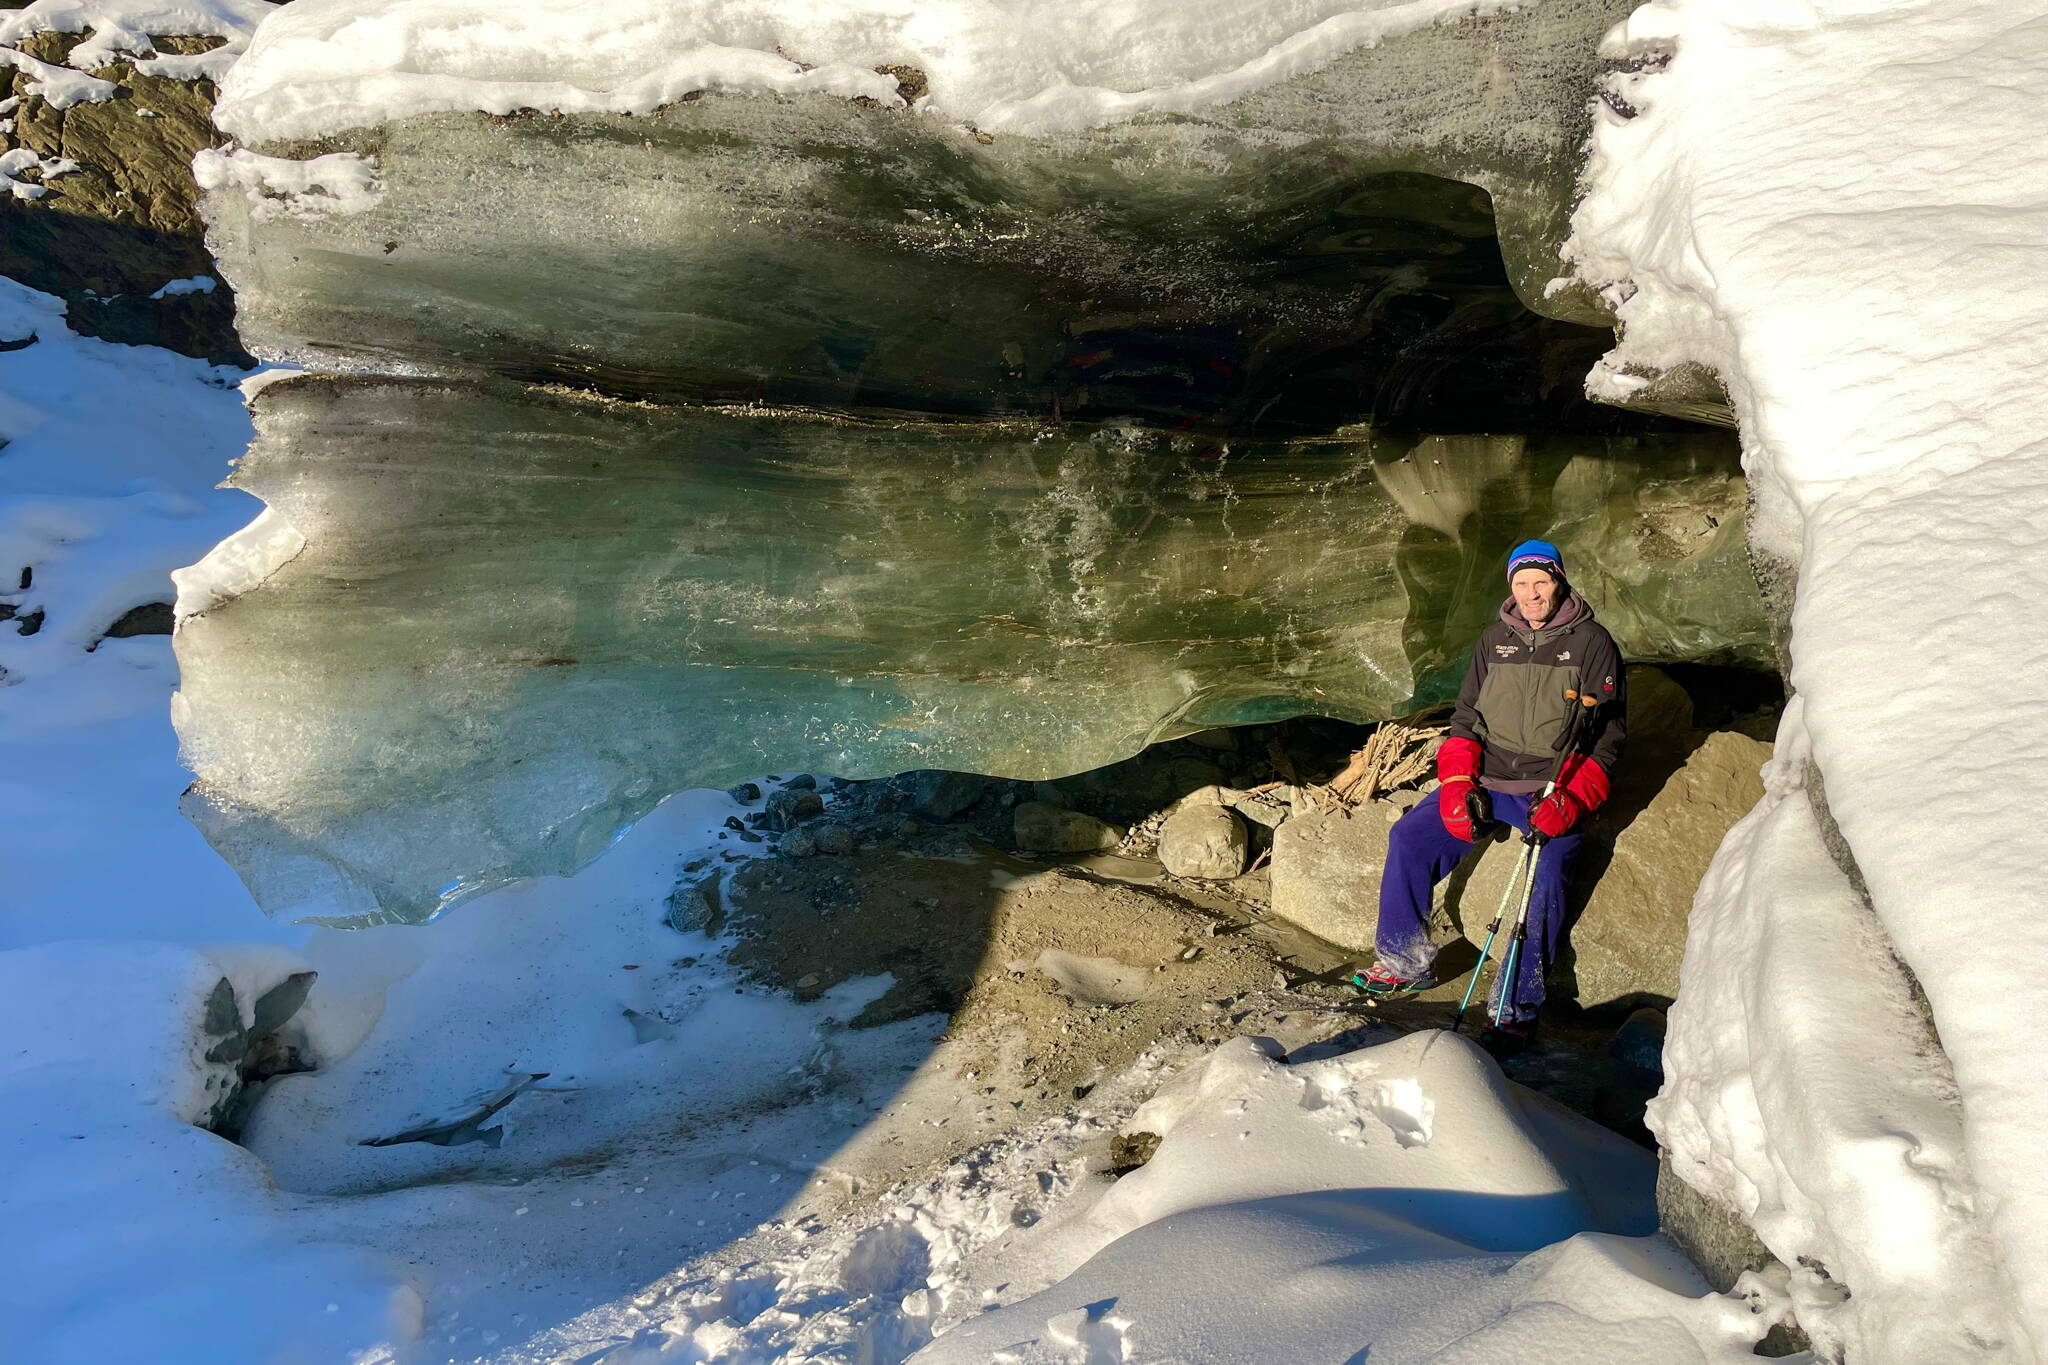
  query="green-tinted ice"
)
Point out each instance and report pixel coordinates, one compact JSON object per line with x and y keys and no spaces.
{"x":522,"y":617}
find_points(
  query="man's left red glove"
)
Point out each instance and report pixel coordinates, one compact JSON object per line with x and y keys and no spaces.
{"x":1581,"y":787}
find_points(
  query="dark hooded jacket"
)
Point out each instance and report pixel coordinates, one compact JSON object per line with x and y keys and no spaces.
{"x":1513,"y":700}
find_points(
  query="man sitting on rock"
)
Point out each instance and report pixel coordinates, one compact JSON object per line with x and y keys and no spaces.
{"x":1502,"y":749}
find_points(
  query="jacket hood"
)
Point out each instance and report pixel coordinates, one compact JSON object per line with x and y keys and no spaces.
{"x":1574,"y":610}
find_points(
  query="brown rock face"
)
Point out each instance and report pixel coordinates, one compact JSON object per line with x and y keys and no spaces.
{"x":1676,"y":795}
{"x":108,"y":235}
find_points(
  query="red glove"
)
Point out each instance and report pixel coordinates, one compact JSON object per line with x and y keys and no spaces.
{"x":1461,"y":801}
{"x":1581,"y":787}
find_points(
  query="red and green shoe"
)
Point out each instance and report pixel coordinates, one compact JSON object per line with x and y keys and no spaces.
{"x":1380,"y":984}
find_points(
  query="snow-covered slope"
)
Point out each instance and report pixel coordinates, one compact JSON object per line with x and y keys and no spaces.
{"x":1399,"y":1201}
{"x":106,"y":485}
{"x":1843,"y":208}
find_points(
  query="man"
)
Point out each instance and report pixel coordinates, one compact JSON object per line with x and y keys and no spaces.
{"x":1502,"y":749}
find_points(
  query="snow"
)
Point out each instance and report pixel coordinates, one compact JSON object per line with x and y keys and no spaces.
{"x":1861,"y":252}
{"x":121,"y":28}
{"x":60,"y":85}
{"x":124,"y":1224}
{"x":682,"y":1166}
{"x":195,"y":284}
{"x":340,"y":182}
{"x":1813,"y":1101}
{"x":1013,"y":66}
{"x":14,"y":162}
{"x":1303,"y":1211}
{"x":106,"y":484}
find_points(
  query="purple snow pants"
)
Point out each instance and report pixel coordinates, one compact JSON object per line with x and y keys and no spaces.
{"x":1421,"y":853}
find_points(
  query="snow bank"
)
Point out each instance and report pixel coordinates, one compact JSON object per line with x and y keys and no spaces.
{"x":125,"y":1229}
{"x":1402,"y":1201}
{"x":1843,"y":208}
{"x":576,"y":981}
{"x":1020,"y":66}
{"x":1811,"y":1099}
{"x":1397,"y":1199}
{"x":107,"y":484}
{"x":122,"y":28}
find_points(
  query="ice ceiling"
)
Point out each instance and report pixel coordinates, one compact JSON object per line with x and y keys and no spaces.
{"x":763,"y":434}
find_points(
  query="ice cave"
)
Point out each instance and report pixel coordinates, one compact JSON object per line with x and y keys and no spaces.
{"x":734,"y":682}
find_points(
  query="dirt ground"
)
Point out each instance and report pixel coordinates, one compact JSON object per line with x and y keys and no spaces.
{"x":1058,"y":974}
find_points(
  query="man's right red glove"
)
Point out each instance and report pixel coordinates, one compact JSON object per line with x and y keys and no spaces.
{"x":1460,"y":800}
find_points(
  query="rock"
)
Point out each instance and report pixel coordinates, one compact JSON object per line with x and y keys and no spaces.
{"x":1044,"y":828}
{"x":943,"y":795}
{"x":797,"y":843}
{"x":1649,"y":846}
{"x":1262,"y":808}
{"x":243,"y":1058}
{"x":1326,"y":873}
{"x":802,"y":782}
{"x":1639,"y":1042}
{"x":831,"y":837}
{"x":1189,"y":774}
{"x":1656,"y":704}
{"x":1205,"y":840}
{"x":1223,"y":738}
{"x":1405,"y":800}
{"x":746,"y":793}
{"x":106,"y":236}
{"x":694,"y":906}
{"x":151,"y":618}
{"x":787,"y":809}
{"x":1715,"y":1238}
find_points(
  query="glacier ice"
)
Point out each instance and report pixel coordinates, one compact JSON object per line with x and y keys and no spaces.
{"x":521,"y":616}
{"x":750,"y":432}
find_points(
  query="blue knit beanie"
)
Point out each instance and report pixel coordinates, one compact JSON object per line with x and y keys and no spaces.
{"x":1536,"y":554}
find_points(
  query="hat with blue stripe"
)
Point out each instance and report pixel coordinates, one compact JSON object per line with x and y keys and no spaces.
{"x":1536,"y":554}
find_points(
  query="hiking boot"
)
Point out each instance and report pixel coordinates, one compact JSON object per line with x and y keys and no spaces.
{"x":1379,"y":983}
{"x":1509,"y":1038}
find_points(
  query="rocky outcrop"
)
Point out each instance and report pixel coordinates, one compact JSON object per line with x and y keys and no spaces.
{"x":107,"y":214}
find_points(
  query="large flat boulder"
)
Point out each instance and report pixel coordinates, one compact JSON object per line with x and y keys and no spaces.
{"x":1676,"y":794}
{"x":1674,"y":800}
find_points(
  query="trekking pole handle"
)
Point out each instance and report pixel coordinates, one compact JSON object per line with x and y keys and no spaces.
{"x":1566,"y":741}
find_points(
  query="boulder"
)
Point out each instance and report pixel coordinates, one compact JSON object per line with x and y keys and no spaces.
{"x":943,"y":795}
{"x":1044,"y":828}
{"x":1647,"y":850}
{"x":1656,"y":704}
{"x":1326,"y":872}
{"x":787,"y":809}
{"x":1203,"y":839}
{"x":1675,"y":796}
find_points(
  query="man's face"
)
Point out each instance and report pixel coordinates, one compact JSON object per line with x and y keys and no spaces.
{"x":1535,"y":593}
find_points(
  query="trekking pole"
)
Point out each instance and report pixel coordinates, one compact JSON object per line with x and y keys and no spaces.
{"x":1505,"y":978}
{"x":1525,"y":863}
